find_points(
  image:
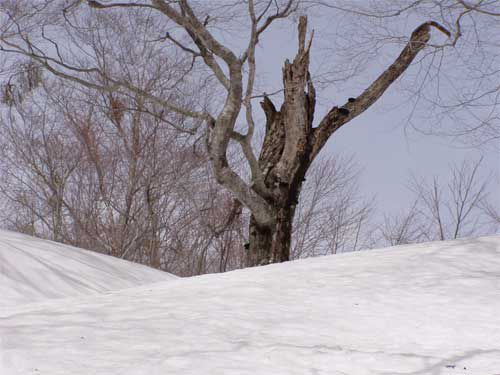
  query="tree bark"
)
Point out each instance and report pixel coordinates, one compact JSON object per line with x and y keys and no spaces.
{"x":285,"y":157}
{"x":271,"y":245}
{"x":260,"y":243}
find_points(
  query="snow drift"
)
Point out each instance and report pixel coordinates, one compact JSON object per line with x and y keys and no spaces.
{"x":33,"y":270}
{"x":423,"y":309}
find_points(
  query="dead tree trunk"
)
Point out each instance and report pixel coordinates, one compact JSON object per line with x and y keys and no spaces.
{"x":285,"y":157}
{"x":291,"y":142}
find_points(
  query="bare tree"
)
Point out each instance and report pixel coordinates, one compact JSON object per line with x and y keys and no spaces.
{"x":459,"y":215}
{"x":403,"y":228}
{"x":293,"y":139}
{"x":105,"y":175}
{"x":331,"y":216}
{"x":458,"y":208}
{"x":492,"y":212}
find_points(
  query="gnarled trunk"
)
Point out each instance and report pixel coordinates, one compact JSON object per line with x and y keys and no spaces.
{"x":271,"y":245}
{"x":285,"y":157}
{"x":260,"y":244}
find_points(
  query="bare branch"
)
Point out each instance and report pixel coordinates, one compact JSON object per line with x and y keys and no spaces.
{"x":355,"y":106}
{"x":98,"y":5}
{"x":477,"y":8}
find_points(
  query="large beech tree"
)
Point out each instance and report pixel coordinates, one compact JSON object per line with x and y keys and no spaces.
{"x":293,"y":137}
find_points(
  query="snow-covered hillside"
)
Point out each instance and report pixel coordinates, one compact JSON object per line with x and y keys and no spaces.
{"x":35,"y":270}
{"x":424,"y":309}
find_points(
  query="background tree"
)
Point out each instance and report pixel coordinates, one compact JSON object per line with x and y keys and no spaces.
{"x":403,"y":228}
{"x":331,"y":214}
{"x":444,"y":211}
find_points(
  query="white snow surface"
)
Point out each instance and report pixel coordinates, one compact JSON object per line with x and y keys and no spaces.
{"x":422,"y":309}
{"x":34,"y":270}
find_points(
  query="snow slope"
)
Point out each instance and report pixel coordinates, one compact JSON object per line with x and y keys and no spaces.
{"x":34,"y":270}
{"x":424,"y":309}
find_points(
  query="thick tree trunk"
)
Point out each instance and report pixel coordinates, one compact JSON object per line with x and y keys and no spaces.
{"x":260,"y":244}
{"x":285,"y":157}
{"x":271,"y":245}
